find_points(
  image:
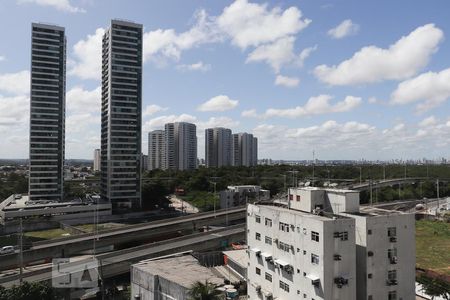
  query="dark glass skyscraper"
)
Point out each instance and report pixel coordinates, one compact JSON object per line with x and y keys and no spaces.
{"x":47,"y":112}
{"x":121,"y":115}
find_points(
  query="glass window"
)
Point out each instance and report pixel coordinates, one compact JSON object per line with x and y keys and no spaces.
{"x":268,"y":277}
{"x":268,"y":222}
{"x":258,"y":236}
{"x":258,"y":219}
{"x":314,"y":236}
{"x":258,"y":271}
{"x":268,"y":240}
{"x":314,"y":259}
{"x":284,"y":286}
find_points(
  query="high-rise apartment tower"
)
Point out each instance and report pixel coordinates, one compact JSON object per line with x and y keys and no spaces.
{"x":121,"y":114}
{"x":218,"y":147}
{"x":47,"y":112}
{"x":244,"y":150}
{"x":181,"y":146}
{"x":156,"y":150}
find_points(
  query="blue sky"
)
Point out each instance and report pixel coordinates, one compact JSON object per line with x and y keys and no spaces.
{"x":349,"y":79}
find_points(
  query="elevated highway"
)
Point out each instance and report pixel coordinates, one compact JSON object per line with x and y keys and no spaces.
{"x":384,"y":183}
{"x":69,"y":246}
{"x":119,"y":262}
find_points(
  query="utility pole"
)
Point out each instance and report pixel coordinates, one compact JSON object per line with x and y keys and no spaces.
{"x":313,"y":165}
{"x":437,"y":192}
{"x":360,"y":175}
{"x":21,"y":252}
{"x":384,"y":172}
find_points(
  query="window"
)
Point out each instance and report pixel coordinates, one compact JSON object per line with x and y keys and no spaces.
{"x":314,"y":236}
{"x":392,"y":275}
{"x":258,"y":271}
{"x":258,"y":219}
{"x":342,"y":235}
{"x":268,"y":277}
{"x":314,"y":259}
{"x":258,"y":236}
{"x":268,"y":222}
{"x":284,"y":246}
{"x":298,"y":197}
{"x":370,"y":297}
{"x":392,"y":255}
{"x":284,"y":286}
{"x":268,"y":240}
{"x":369,"y":275}
{"x":291,"y":197}
{"x":392,"y":232}
{"x":284,"y":227}
{"x":392,"y":295}
{"x":369,"y":231}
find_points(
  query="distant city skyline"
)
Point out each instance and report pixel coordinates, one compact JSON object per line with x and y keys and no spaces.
{"x":322,"y":75}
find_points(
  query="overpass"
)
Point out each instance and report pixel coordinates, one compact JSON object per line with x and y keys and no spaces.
{"x":384,"y":183}
{"x":69,"y":246}
{"x":119,"y":262}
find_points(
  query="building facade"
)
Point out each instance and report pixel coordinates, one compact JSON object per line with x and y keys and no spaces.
{"x":218,"y":147}
{"x":244,"y":150}
{"x":238,"y":195}
{"x":47,"y":112}
{"x":299,"y":255}
{"x":156,"y":150}
{"x":180,"y":140}
{"x":97,"y":158}
{"x":121,"y":114}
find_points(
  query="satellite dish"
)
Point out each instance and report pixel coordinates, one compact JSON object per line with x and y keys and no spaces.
{"x":307,"y":183}
{"x":326,"y":183}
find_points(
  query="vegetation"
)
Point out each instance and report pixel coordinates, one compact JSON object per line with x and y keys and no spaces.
{"x":91,"y":227}
{"x":432,"y":246}
{"x":203,"y":291}
{"x":203,"y":200}
{"x":13,"y":184}
{"x":46,"y":234}
{"x":27,"y":291}
{"x":435,"y":287}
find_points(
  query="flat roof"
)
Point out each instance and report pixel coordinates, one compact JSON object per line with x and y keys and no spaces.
{"x":325,"y":216}
{"x":238,"y":256}
{"x":328,"y":190}
{"x":183,"y":270}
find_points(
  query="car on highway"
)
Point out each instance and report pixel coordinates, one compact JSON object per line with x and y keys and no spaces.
{"x":7,"y":250}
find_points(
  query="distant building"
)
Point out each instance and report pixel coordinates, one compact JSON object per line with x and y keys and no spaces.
{"x":47,"y":112}
{"x":121,"y":115}
{"x":241,"y":195}
{"x":144,"y":162}
{"x":97,"y":160}
{"x":218,"y":147}
{"x":156,"y":150}
{"x":244,"y":150}
{"x":180,"y":146}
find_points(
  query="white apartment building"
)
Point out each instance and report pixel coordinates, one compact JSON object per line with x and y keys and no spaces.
{"x":236,"y":195}
{"x":299,"y":255}
{"x":180,"y":146}
{"x":385,"y":241}
{"x":96,"y":160}
{"x":244,"y":150}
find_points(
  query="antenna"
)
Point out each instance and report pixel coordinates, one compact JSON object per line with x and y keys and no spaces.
{"x":313,"y":163}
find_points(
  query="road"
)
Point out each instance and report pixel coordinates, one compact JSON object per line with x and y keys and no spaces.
{"x":183,"y":206}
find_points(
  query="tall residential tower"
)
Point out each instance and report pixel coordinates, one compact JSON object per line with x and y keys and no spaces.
{"x":121,"y":114}
{"x":156,"y":150}
{"x":47,"y":112}
{"x":244,"y":150}
{"x":180,"y":146}
{"x":218,"y":147}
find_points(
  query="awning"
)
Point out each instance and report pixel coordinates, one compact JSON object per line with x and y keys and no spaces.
{"x":266,"y":255}
{"x":256,"y":250}
{"x":314,"y":278}
{"x":281,"y":262}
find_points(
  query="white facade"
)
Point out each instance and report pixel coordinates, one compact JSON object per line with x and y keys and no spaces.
{"x":298,"y":255}
{"x":180,"y":146}
{"x":156,"y":150}
{"x":385,"y":241}
{"x":242,"y":194}
{"x":244,"y":150}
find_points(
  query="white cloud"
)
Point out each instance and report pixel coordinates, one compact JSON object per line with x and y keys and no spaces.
{"x":199,"y":66}
{"x":305,"y":54}
{"x":430,"y":89}
{"x":153,"y":109}
{"x":430,"y":121}
{"x":216,"y":122}
{"x":80,"y":123}
{"x":81,"y":100}
{"x":218,"y":103}
{"x":61,"y":5}
{"x":316,"y":105}
{"x":159,"y":122}
{"x":88,"y":54}
{"x":164,"y":44}
{"x":14,"y":111}
{"x":2,"y":58}
{"x":346,"y":28}
{"x":252,"y":24}
{"x":373,"y":100}
{"x":372,"y":64}
{"x":15,"y":83}
{"x":251,"y":113}
{"x":287,"y":81}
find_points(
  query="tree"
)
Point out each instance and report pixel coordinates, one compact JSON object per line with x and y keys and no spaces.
{"x":27,"y":290}
{"x":203,"y":291}
{"x":435,"y":286}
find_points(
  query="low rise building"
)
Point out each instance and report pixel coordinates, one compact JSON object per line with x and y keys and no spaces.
{"x":241,"y":194}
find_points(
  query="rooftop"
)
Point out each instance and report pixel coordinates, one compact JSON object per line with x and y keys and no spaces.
{"x":323,"y":216}
{"x":184,"y":270}
{"x":370,"y":211}
{"x":238,"y":256}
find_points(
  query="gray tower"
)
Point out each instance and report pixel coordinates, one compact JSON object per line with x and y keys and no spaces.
{"x":181,"y":146}
{"x":244,"y":149}
{"x":47,"y":112}
{"x":121,"y":115}
{"x":156,"y":150}
{"x":218,"y":147}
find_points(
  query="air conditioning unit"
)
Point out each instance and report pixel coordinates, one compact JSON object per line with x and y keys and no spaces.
{"x":289,"y":269}
{"x":337,"y":257}
{"x":394,"y":260}
{"x":393,"y":239}
{"x":391,"y":282}
{"x":258,"y":289}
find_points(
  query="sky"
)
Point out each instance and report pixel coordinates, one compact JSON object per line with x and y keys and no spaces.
{"x":348,"y":79}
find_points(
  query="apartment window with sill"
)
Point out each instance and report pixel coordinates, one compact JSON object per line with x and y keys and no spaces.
{"x":258,"y":271}
{"x":258,"y":236}
{"x":258,"y":219}
{"x":285,"y":247}
{"x":314,"y":236}
{"x":284,"y":286}
{"x":268,"y":222}
{"x":392,"y":232}
{"x":392,"y":295}
{"x":298,"y":197}
{"x":268,"y":277}
{"x":284,"y":227}
{"x":314,"y":259}
{"x":268,"y":240}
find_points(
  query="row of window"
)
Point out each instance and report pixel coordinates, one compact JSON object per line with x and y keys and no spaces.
{"x":285,"y":228}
